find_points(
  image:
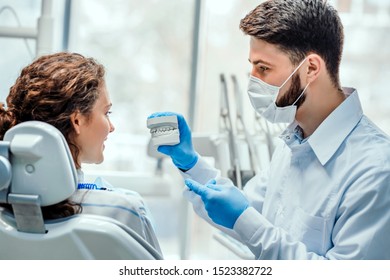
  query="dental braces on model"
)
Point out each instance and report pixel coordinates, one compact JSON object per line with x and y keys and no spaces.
{"x":164,"y":130}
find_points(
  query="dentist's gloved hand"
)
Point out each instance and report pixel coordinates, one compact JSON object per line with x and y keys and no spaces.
{"x":224,"y":204}
{"x":183,"y":154}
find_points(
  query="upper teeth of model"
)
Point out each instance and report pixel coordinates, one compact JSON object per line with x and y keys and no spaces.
{"x":162,"y":130}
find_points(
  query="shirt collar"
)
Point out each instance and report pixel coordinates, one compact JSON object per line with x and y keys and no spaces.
{"x":80,"y":176}
{"x":328,"y":137}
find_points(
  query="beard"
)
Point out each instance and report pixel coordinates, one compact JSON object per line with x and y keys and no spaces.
{"x":292,"y":94}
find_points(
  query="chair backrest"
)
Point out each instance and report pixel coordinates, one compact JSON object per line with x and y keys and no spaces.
{"x":81,"y":236}
{"x":41,"y":162}
{"x":37,"y":170}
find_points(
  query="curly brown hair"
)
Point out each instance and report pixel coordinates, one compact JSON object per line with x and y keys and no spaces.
{"x":51,"y":89}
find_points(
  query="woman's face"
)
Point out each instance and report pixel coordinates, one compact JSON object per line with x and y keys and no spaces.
{"x":93,"y":131}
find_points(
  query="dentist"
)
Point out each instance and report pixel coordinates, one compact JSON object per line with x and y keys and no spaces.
{"x":327,"y":192}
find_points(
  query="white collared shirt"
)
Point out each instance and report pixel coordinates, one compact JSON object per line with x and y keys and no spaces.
{"x":123,"y":205}
{"x":325,"y":197}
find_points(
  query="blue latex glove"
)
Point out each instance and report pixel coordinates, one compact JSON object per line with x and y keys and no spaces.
{"x":183,"y":154}
{"x":224,"y":204}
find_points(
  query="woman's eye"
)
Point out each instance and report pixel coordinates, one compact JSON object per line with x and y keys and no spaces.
{"x":108,"y":113}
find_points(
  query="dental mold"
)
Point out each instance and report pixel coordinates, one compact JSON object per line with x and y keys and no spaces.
{"x":164,"y":130}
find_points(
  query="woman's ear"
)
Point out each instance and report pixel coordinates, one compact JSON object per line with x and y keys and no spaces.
{"x":77,"y":121}
{"x":314,"y":67}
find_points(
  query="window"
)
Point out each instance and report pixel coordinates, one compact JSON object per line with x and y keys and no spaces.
{"x":146,"y":49}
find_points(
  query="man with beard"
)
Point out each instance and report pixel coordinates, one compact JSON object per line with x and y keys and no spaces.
{"x":327,"y":192}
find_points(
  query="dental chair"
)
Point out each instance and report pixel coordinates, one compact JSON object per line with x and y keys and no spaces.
{"x":37,"y":169}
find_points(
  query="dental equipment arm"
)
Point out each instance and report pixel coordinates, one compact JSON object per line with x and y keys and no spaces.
{"x":241,"y":127}
{"x":235,"y":174}
{"x":263,"y":127}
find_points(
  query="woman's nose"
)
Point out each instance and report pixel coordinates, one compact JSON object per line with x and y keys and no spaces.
{"x":112,"y":127}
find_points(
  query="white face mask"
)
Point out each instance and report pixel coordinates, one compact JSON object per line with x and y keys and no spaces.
{"x":263,"y":97}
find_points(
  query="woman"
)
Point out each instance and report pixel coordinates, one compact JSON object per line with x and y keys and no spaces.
{"x":68,"y":91}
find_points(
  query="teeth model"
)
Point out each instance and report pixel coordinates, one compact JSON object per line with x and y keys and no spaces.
{"x":164,"y":130}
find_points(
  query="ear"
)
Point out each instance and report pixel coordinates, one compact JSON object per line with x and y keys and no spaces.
{"x":313,"y":67}
{"x":77,"y":121}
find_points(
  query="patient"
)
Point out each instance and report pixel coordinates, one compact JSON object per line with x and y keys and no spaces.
{"x":68,"y":91}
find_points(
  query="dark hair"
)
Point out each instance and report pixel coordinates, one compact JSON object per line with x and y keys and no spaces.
{"x":51,"y":89}
{"x":299,"y":27}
